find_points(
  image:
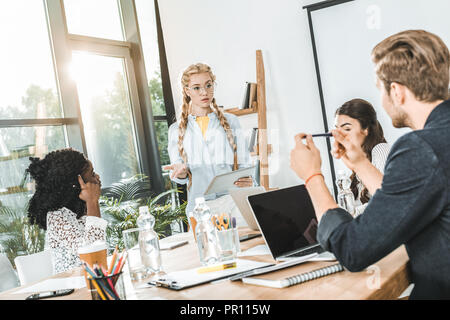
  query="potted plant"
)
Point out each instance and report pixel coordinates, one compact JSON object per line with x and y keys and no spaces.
{"x":17,"y":235}
{"x":120,"y":207}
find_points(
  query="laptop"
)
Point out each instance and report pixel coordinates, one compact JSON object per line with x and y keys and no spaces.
{"x":240,"y":198}
{"x":287,"y":222}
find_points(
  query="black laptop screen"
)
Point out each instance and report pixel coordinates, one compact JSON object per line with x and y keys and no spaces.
{"x":286,"y":218}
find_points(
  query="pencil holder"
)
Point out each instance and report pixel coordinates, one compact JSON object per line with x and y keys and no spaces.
{"x":236,"y":240}
{"x":227,"y":244}
{"x":107,"y":288}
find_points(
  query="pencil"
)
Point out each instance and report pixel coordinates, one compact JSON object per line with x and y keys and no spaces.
{"x":113,"y":259}
{"x":118,"y":263}
{"x":106,"y":290}
{"x":327,"y":135}
{"x":216,"y":267}
{"x":89,"y":270}
{"x":103,"y":283}
{"x":108,"y":278}
{"x":97,"y":275}
{"x":123,"y":261}
{"x":96,"y":269}
{"x":97,"y":287}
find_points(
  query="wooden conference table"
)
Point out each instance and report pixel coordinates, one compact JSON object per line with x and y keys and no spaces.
{"x":386,"y":279}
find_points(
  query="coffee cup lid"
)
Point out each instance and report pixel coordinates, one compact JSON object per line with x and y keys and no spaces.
{"x":93,"y":247}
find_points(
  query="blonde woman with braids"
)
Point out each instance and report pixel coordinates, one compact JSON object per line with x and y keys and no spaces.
{"x":205,"y":142}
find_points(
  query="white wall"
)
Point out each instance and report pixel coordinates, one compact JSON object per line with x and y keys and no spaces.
{"x":346,"y":70}
{"x":225,"y":35}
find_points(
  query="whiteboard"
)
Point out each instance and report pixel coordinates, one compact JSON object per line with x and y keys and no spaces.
{"x":345,"y":35}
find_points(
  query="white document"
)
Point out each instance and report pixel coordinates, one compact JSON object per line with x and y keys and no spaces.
{"x":55,"y":284}
{"x":190,"y":277}
{"x":265,"y":283}
{"x":168,"y":245}
{"x":259,"y":250}
{"x":324,"y":256}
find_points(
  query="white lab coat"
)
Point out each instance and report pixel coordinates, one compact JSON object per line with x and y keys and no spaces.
{"x":209,"y":156}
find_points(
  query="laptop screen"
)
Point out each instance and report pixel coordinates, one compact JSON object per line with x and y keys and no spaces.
{"x":286,"y":218}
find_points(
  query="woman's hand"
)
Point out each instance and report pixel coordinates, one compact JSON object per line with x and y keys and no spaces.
{"x":305,"y":158}
{"x":90,"y":192}
{"x":244,"y":182}
{"x":351,"y":154}
{"x":356,"y":160}
{"x":179,"y":170}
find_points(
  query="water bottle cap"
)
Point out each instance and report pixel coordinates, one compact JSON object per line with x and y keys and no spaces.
{"x":143,"y":210}
{"x":145,"y":219}
{"x":199,"y":200}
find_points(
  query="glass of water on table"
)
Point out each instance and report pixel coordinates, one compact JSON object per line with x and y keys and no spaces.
{"x":140,"y":262}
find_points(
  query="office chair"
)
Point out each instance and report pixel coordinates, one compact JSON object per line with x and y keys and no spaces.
{"x":34,"y":267}
{"x":8,"y":277}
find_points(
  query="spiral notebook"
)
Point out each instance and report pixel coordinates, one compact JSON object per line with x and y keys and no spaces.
{"x":300,"y":278}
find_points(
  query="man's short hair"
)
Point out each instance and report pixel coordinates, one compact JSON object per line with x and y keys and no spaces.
{"x":416,"y":59}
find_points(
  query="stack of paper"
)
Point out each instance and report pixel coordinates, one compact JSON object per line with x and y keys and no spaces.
{"x":55,"y":284}
{"x":189,"y":278}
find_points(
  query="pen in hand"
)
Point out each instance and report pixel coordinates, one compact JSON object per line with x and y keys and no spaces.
{"x":326,"y":135}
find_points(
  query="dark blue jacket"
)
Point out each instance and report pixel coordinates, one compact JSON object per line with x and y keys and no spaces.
{"x":412,"y":207}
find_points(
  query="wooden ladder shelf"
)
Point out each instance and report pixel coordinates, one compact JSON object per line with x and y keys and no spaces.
{"x":263,"y":149}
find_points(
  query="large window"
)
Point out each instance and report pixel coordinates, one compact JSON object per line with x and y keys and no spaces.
{"x":98,"y":18}
{"x":107,"y":115}
{"x":72,"y":77}
{"x":101,"y":66}
{"x":154,"y":56}
{"x":27,"y":78}
{"x":31,"y":116}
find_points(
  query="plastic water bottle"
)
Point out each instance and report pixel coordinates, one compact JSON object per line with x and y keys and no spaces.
{"x":205,"y":233}
{"x":345,"y":197}
{"x":148,"y":241}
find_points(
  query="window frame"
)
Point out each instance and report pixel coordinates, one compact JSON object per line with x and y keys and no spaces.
{"x":121,"y":51}
{"x":62,"y":43}
{"x":170,"y":116}
{"x":130,"y":49}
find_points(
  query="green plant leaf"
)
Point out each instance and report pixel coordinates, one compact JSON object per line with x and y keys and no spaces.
{"x":120,"y":207}
{"x":17,"y":235}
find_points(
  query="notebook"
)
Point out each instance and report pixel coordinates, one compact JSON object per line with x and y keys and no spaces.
{"x":300,"y":278}
{"x":287,"y":222}
{"x":240,"y":198}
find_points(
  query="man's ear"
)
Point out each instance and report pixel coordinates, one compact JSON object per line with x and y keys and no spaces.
{"x":398,"y":93}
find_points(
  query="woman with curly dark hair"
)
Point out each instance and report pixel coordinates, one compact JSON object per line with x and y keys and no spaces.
{"x":65,"y":204}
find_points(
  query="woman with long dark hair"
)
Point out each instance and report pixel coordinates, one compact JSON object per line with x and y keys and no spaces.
{"x":359,"y":119}
{"x":65,"y":204}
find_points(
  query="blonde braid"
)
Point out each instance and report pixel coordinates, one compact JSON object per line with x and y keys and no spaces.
{"x":181,"y":131}
{"x":195,"y":69}
{"x":226,"y":126}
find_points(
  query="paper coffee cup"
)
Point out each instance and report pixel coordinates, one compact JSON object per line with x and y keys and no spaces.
{"x":94,"y":253}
